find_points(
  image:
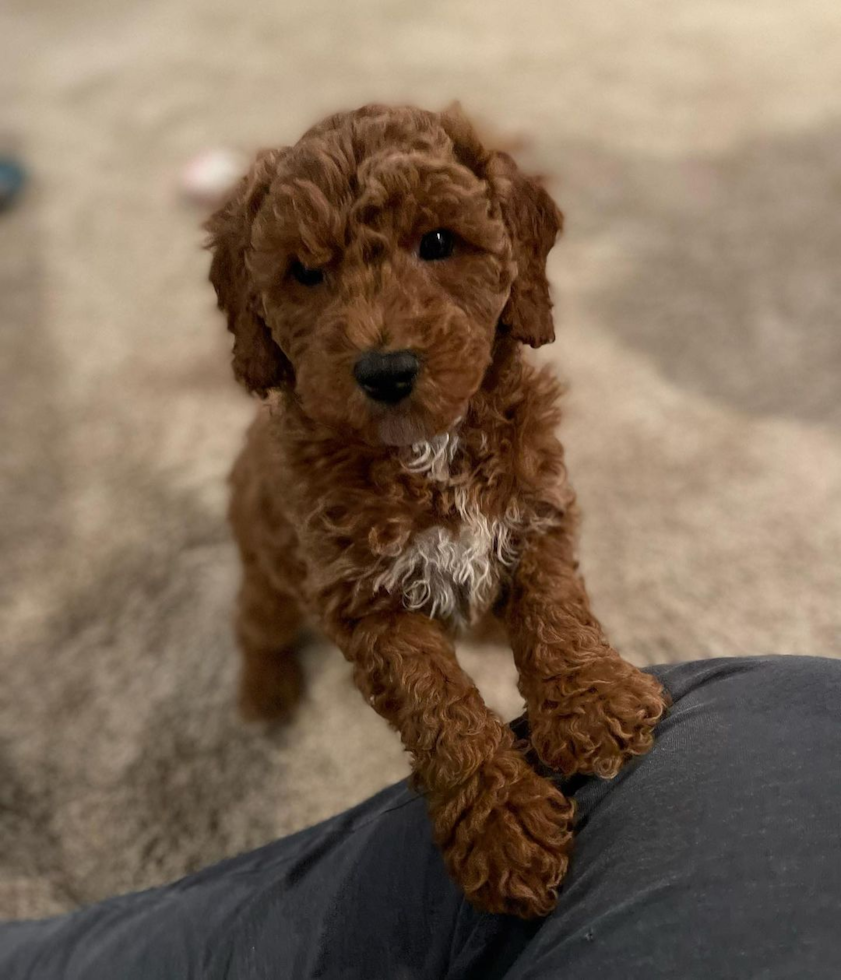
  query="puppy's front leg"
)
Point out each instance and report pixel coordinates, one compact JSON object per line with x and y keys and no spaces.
{"x":589,"y":710}
{"x":504,"y":831}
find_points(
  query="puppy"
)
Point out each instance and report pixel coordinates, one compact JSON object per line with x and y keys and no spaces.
{"x":403,"y":481}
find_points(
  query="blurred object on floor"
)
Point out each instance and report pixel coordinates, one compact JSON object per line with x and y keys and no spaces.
{"x":210,"y":175}
{"x":12,"y":180}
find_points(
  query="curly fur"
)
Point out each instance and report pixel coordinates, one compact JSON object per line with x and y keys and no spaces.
{"x":395,"y":526}
{"x":451,"y":573}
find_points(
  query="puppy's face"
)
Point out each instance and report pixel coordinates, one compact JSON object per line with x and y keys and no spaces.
{"x":370,"y":267}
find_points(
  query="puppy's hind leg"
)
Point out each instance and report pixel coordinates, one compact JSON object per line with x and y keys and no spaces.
{"x":268,"y":627}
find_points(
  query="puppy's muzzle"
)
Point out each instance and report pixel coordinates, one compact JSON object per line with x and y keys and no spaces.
{"x":387,"y":376}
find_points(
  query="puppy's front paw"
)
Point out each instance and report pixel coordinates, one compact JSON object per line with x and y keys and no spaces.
{"x":506,"y":839}
{"x":595,"y":718}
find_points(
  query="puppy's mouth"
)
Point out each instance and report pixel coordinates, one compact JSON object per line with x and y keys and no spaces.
{"x":399,"y":427}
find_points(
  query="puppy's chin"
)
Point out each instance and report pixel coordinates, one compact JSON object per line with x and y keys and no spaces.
{"x":400,"y":429}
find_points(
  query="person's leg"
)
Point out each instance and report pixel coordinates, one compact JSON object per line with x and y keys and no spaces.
{"x":717,"y":855}
{"x":366,"y":886}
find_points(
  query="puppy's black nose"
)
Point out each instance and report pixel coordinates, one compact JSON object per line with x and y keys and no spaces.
{"x":386,"y":376}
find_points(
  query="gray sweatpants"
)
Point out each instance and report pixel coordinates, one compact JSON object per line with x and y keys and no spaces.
{"x":717,"y":856}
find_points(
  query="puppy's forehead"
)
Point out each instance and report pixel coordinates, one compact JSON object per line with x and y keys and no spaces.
{"x":353,"y":169}
{"x":365,"y":132}
{"x":340,"y":153}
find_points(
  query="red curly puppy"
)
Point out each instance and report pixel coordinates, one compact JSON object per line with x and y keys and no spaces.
{"x":403,"y":478}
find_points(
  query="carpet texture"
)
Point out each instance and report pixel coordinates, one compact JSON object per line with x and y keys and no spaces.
{"x":695,"y":149}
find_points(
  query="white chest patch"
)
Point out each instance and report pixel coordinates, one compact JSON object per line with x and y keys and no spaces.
{"x":451,"y":574}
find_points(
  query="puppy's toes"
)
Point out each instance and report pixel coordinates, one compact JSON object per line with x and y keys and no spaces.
{"x":510,"y":848}
{"x":601,"y":727}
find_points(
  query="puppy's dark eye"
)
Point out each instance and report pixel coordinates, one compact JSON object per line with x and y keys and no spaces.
{"x":305,"y":276}
{"x":436,"y":245}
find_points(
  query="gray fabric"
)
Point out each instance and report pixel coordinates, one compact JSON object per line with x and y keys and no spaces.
{"x":716,"y":856}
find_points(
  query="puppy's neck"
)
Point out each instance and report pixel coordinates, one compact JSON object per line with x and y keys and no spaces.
{"x":434,"y":457}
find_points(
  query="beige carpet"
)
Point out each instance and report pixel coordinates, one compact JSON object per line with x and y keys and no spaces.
{"x":697,"y":150}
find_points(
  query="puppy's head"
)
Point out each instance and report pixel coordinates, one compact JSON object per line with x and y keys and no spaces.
{"x":370,"y":266}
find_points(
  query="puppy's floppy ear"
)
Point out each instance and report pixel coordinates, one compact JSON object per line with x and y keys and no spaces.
{"x":533,"y":221}
{"x":258,"y":363}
